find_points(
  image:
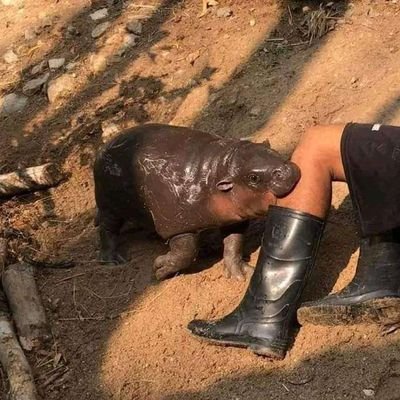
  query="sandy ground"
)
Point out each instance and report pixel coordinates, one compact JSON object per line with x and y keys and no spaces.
{"x":118,"y":333}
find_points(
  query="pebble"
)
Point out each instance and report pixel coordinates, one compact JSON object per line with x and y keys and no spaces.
{"x":306,"y":9}
{"x":72,"y":31}
{"x":130,"y":40}
{"x":109,"y":130}
{"x":369,"y":392}
{"x":252,"y":22}
{"x":39,"y":68}
{"x":34,"y":85}
{"x":12,"y":103}
{"x":135,"y":27}
{"x":100,"y":30}
{"x":71,"y":66}
{"x":224,"y":12}
{"x":255,"y":111}
{"x":99,"y":14}
{"x":60,"y":87}
{"x":10,"y":57}
{"x":56,"y":63}
{"x":30,"y":34}
{"x":98,"y":63}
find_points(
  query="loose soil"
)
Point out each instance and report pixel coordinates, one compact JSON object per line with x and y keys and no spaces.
{"x":118,"y":333}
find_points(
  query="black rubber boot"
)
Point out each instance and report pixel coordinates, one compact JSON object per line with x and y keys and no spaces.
{"x":373,"y":296}
{"x":265,"y":319}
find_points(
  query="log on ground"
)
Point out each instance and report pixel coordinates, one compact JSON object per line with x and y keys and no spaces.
{"x":29,"y":180}
{"x":26,"y":306}
{"x":15,"y":364}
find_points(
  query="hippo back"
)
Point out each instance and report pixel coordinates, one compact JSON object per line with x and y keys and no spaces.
{"x":163,"y":173}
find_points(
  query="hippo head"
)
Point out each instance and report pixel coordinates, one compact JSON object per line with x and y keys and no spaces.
{"x":257,"y":176}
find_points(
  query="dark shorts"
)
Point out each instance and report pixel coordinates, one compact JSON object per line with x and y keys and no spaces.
{"x":371,"y":159}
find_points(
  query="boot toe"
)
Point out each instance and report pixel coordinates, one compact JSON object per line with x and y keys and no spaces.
{"x":201,"y":328}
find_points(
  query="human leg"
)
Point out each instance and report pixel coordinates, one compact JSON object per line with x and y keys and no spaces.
{"x":265,"y":318}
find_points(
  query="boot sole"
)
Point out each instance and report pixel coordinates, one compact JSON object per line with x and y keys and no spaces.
{"x":274,"y":353}
{"x":383,"y":311}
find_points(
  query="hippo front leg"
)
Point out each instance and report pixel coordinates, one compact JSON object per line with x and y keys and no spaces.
{"x":183,"y":251}
{"x":234,"y":265}
{"x":109,"y":227}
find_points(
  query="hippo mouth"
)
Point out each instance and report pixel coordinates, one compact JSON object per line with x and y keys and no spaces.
{"x":284,"y":179}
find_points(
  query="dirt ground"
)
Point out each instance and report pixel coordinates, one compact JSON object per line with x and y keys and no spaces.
{"x":117,"y":332}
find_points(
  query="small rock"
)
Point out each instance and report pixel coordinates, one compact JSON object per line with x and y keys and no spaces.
{"x":100,"y":30}
{"x":30,"y":34}
{"x":224,"y":12}
{"x":130,"y":40}
{"x":72,"y":31}
{"x":99,"y":14}
{"x":34,"y":85}
{"x":56,"y":63}
{"x":135,"y":26}
{"x":369,"y":392}
{"x":306,"y":9}
{"x":39,"y":68}
{"x":12,"y":103}
{"x":109,"y":130}
{"x":98,"y":62}
{"x":71,"y":66}
{"x":252,"y":22}
{"x":10,"y":57}
{"x":60,"y":87}
{"x":255,"y":111}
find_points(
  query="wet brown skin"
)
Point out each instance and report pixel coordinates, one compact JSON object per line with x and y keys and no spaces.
{"x":181,"y":181}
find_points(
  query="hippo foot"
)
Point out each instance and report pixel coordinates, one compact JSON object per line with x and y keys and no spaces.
{"x":165,"y":266}
{"x":112,"y":258}
{"x":237,"y":269}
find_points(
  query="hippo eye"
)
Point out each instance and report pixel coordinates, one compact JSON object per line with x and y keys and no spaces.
{"x":254,"y":179}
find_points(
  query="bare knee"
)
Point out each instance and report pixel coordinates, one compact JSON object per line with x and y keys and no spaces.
{"x":320,"y":148}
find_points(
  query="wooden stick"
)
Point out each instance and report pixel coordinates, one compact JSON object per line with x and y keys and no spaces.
{"x":29,"y":179}
{"x":25,"y":304}
{"x":14,"y":362}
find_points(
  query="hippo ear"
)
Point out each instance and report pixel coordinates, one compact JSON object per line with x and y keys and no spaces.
{"x":225,"y":185}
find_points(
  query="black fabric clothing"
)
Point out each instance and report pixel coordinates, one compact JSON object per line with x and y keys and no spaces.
{"x":371,"y":159}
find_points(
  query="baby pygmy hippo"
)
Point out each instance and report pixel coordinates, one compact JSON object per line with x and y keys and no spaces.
{"x":180,"y":181}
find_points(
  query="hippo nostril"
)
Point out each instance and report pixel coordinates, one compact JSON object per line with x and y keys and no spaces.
{"x":277,"y":174}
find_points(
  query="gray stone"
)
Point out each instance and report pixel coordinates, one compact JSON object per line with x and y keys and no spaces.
{"x":130,"y":40}
{"x":72,"y":31}
{"x":12,"y":103}
{"x":39,"y":68}
{"x":255,"y":111}
{"x":60,"y":87}
{"x":224,"y":12}
{"x":56,"y":63}
{"x":100,"y":30}
{"x":70,"y":66}
{"x":10,"y":57}
{"x":99,"y":14}
{"x":135,"y":27}
{"x":34,"y":85}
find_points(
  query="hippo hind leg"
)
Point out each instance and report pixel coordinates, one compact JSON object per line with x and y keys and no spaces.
{"x":234,"y":265}
{"x":183,"y":251}
{"x":109,"y":228}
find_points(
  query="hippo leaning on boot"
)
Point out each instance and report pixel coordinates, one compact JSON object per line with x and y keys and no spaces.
{"x":180,"y":181}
